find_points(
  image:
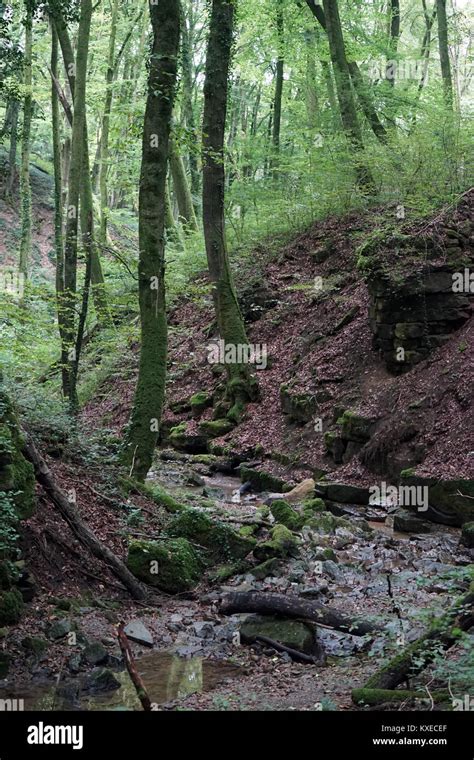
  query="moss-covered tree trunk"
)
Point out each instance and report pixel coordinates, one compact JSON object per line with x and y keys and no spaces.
{"x":149,"y":395}
{"x":241,"y":385}
{"x":393,"y":37}
{"x":279,"y":78}
{"x":13,"y":149}
{"x":104,"y":138}
{"x":312,"y":107}
{"x":182,"y":190}
{"x":345,"y":95}
{"x":25,"y":187}
{"x":188,"y":103}
{"x":444,"y":52}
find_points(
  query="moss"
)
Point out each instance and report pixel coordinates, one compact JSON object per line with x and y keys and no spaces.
{"x":215,"y":428}
{"x":265,"y":568}
{"x":290,"y":633}
{"x":263,"y":481}
{"x":35,"y":644}
{"x":11,"y":606}
{"x":16,"y":473}
{"x":326,"y":522}
{"x":284,"y":514}
{"x":467,"y":534}
{"x":153,"y":492}
{"x":219,"y":541}
{"x":247,"y":530}
{"x":200,"y":401}
{"x":311,"y":507}
{"x":224,"y":572}
{"x":373,"y":697}
{"x":178,"y":566}
{"x":281,"y":544}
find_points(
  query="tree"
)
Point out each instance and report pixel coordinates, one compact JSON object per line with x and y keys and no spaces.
{"x":444,"y":53}
{"x":393,"y":37}
{"x":279,"y":77}
{"x":25,"y":188}
{"x":345,"y":96}
{"x":241,"y":386}
{"x":142,"y":434}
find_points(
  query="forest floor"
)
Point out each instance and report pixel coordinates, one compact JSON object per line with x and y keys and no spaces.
{"x":189,"y":635}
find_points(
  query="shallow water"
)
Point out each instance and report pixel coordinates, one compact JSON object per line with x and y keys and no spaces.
{"x":166,"y":676}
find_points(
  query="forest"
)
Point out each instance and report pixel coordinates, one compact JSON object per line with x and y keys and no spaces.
{"x":236,"y":358}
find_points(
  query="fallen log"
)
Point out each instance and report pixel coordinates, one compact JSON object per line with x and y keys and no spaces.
{"x":372,"y":697}
{"x":135,"y":677}
{"x":69,"y":512}
{"x":294,"y":607}
{"x":414,"y":658}
{"x":295,"y":654}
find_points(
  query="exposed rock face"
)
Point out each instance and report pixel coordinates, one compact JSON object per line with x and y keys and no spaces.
{"x":421,"y":288}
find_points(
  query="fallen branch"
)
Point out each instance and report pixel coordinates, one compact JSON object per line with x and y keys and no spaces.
{"x":443,"y":633}
{"x":294,"y":653}
{"x":294,"y":607}
{"x":132,"y":670}
{"x":374,"y":697}
{"x":69,"y":512}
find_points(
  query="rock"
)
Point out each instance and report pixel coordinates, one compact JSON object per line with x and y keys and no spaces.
{"x":347,"y":494}
{"x":282,"y":544}
{"x":262,"y":481}
{"x":467,"y":535}
{"x":183,"y":440}
{"x":203,"y":630}
{"x":74,"y":663}
{"x":136,"y":631}
{"x":60,"y":629}
{"x":355,"y":427}
{"x":451,"y":502}
{"x":199,"y":402}
{"x":406,"y":522}
{"x":216,"y":428}
{"x":35,"y":644}
{"x":322,"y":555}
{"x":330,"y":568}
{"x":299,"y":407}
{"x":284,"y":514}
{"x":100,"y":680}
{"x":95,"y":653}
{"x":173,"y":566}
{"x":108,"y":641}
{"x":326,"y":522}
{"x":220,"y":541}
{"x":290,"y":633}
{"x":265,"y":569}
{"x":301,"y":492}
{"x":11,"y":606}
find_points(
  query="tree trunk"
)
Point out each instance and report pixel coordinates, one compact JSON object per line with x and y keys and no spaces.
{"x":188,"y":109}
{"x":444,"y":53}
{"x":347,"y":106}
{"x":393,"y":37}
{"x":13,"y":150}
{"x":104,"y":139}
{"x":293,"y":607}
{"x":280,"y":66}
{"x":241,"y":385}
{"x":312,"y":109}
{"x":82,"y":532}
{"x":443,"y":633}
{"x":149,"y":396}
{"x":25,"y":187}
{"x":181,"y":189}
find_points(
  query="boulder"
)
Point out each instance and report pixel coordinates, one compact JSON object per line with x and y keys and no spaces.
{"x":405,"y":521}
{"x":136,"y":631}
{"x":221,"y":542}
{"x":467,"y":535}
{"x":281,"y":544}
{"x":290,"y":633}
{"x":11,"y":606}
{"x":99,"y":681}
{"x":299,"y":407}
{"x":347,"y":494}
{"x":172,"y":566}
{"x":189,"y":441}
{"x":304,"y":490}
{"x":284,"y":514}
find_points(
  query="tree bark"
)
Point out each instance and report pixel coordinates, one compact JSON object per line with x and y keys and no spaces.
{"x":142,"y":435}
{"x":444,"y":53}
{"x":13,"y":150}
{"x":241,"y":386}
{"x":25,"y":187}
{"x":293,"y":607}
{"x":181,"y":189}
{"x":280,"y":70}
{"x":393,"y":37}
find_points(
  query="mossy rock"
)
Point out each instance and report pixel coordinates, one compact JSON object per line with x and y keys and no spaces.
{"x":262,"y":571}
{"x":326,"y":522}
{"x":281,"y":544}
{"x":199,"y":402}
{"x":221,"y":542}
{"x":222,"y":573}
{"x":11,"y":606}
{"x":451,"y":502}
{"x":299,"y":407}
{"x":312,"y":507}
{"x":216,"y":428}
{"x":290,"y":633}
{"x":355,"y":427}
{"x":284,"y":514}
{"x":263,"y":481}
{"x":35,"y":644}
{"x":183,"y":440}
{"x":172,"y":566}
{"x":154,"y":492}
